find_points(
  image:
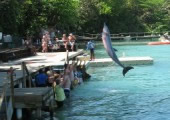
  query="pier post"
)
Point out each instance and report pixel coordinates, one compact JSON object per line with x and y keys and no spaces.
{"x":24,"y":77}
{"x":12,"y":85}
{"x":29,"y":75}
{"x":67,"y":57}
{"x":39,"y":113}
{"x":51,"y":107}
{"x":21,"y":85}
{"x":19,"y":110}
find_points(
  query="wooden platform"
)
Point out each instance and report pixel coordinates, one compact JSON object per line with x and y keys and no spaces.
{"x":124,"y":60}
{"x":31,"y":97}
{"x":12,"y":54}
{"x":34,"y":63}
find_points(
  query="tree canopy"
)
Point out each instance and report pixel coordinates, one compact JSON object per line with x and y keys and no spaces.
{"x":29,"y":17}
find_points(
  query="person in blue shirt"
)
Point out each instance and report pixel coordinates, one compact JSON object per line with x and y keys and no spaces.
{"x":90,"y":46}
{"x":41,"y":79}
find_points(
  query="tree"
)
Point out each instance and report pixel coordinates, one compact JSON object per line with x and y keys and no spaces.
{"x":8,"y":19}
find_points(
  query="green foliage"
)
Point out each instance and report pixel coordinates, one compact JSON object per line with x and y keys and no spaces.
{"x":8,"y":19}
{"x":28,"y":17}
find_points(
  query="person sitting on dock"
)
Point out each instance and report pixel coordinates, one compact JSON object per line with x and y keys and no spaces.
{"x":65,"y":41}
{"x":41,"y":79}
{"x":59,"y":92}
{"x":90,"y":46}
{"x":57,"y":42}
{"x":72,"y":40}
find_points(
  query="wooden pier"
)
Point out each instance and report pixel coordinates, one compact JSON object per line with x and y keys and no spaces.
{"x":17,"y":92}
{"x":124,"y":60}
{"x":32,"y":97}
{"x":13,"y":96}
{"x":36,"y":98}
{"x":14,"y":53}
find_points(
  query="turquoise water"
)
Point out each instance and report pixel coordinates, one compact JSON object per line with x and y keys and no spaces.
{"x":144,"y":94}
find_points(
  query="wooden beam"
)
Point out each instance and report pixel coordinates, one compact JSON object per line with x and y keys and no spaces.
{"x":24,"y":77}
{"x":12,"y":85}
{"x":29,"y":76}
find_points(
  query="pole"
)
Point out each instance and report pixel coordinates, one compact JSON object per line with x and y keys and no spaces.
{"x":21,"y":85}
{"x":12,"y":85}
{"x":67,"y":59}
{"x":29,"y":75}
{"x":24,"y":78}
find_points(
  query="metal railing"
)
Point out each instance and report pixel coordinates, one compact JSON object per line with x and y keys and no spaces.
{"x":119,"y":35}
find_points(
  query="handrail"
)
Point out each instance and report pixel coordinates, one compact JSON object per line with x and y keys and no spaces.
{"x":3,"y":94}
{"x":6,"y":85}
{"x":123,"y":34}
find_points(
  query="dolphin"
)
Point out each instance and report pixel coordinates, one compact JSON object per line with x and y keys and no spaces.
{"x":111,"y":51}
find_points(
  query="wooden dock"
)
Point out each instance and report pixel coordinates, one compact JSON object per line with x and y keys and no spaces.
{"x":27,"y":97}
{"x":124,"y":60}
{"x":34,"y":63}
{"x":36,"y":98}
{"x":14,"y":53}
{"x":32,"y":97}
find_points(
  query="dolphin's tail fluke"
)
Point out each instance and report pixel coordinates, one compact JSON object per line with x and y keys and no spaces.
{"x":126,"y":69}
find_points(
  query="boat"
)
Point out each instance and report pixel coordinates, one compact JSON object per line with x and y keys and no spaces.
{"x":127,"y":38}
{"x":159,"y":43}
{"x":163,"y":40}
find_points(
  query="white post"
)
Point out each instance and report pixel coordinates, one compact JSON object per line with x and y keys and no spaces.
{"x":19,"y":110}
{"x":39,"y":113}
{"x":67,"y":59}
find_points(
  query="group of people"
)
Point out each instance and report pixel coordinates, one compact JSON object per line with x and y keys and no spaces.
{"x":70,"y":40}
{"x":62,"y":83}
{"x":66,"y":41}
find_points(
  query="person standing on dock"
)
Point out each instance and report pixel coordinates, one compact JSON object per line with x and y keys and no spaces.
{"x":90,"y":46}
{"x":45,"y":41}
{"x":72,"y":40}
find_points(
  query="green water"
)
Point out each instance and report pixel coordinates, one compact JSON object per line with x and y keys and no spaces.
{"x":144,"y":94}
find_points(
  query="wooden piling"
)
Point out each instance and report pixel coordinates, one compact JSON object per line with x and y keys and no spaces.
{"x":12,"y":85}
{"x":39,"y":113}
{"x":29,"y":76}
{"x":24,"y":77}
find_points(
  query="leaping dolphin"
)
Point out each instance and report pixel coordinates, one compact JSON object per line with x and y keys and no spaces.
{"x":111,"y":51}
